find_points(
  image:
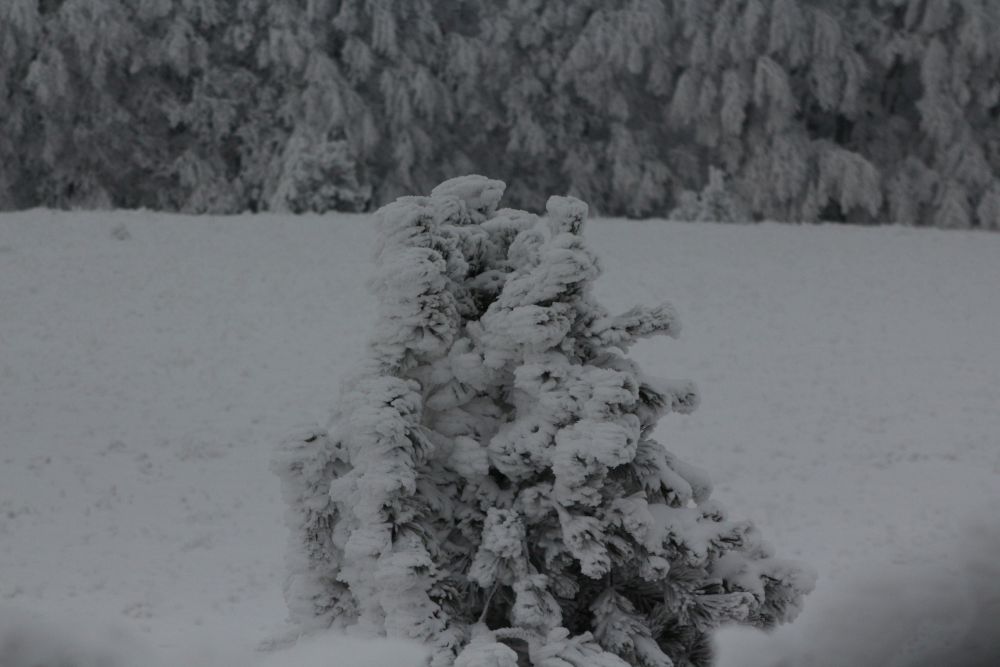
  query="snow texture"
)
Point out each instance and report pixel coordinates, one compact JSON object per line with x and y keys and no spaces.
{"x":850,"y":383}
{"x":36,"y":640}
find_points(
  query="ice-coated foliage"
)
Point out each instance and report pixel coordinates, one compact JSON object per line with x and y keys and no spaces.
{"x":318,"y":176}
{"x":226,"y":105}
{"x":490,"y":484}
{"x":713,"y":204}
{"x":842,"y":110}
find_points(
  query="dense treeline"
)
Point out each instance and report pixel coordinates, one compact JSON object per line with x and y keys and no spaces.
{"x":853,"y":110}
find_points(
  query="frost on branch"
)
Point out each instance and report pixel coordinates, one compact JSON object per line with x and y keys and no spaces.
{"x":489,"y":483}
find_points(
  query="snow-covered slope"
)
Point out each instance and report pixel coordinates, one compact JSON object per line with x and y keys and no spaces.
{"x":850,"y":383}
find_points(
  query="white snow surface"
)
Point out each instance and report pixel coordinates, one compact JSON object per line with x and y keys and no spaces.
{"x":149,"y":364}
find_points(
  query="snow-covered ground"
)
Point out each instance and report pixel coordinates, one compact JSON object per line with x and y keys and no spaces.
{"x":850,"y":383}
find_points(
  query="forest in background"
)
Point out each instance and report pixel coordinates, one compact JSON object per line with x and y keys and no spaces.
{"x":858,"y":111}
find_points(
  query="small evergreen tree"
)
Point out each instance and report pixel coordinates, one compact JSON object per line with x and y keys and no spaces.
{"x":490,"y":483}
{"x":713,"y":204}
{"x":318,"y":176}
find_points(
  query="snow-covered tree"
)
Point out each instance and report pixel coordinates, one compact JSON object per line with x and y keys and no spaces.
{"x":490,"y":483}
{"x":559,"y":100}
{"x":713,"y":204}
{"x":20,"y":26}
{"x":931,"y":107}
{"x":662,"y":91}
{"x":318,"y":177}
{"x":850,"y":110}
{"x":78,"y":129}
{"x":393,"y":54}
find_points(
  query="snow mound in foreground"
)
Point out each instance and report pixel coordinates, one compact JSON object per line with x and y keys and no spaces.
{"x":893,"y":616}
{"x":29,"y":641}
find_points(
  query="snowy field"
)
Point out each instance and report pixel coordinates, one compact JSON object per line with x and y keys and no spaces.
{"x":850,"y":382}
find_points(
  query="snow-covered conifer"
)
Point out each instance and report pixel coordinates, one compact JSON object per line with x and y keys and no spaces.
{"x":232,"y":105}
{"x":490,"y":483}
{"x":931,"y":105}
{"x":20,"y":27}
{"x":318,"y":176}
{"x":81,"y":121}
{"x":713,"y":204}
